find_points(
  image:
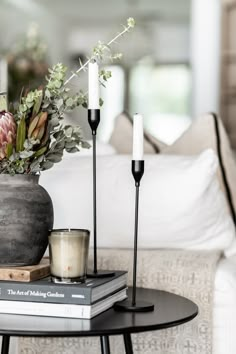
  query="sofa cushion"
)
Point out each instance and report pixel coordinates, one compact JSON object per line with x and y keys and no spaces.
{"x":208,"y":132}
{"x":181,"y":204}
{"x":122,"y":137}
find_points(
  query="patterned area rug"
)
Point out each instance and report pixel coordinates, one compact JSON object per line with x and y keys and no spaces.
{"x":187,"y":273}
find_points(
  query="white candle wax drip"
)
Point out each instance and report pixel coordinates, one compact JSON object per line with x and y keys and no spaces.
{"x":93,"y":86}
{"x":137,"y":137}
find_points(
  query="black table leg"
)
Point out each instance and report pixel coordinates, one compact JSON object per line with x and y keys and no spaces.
{"x":128,"y":343}
{"x":5,"y":344}
{"x":105,"y":345}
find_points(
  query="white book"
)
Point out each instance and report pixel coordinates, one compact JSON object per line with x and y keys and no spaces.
{"x":61,"y":310}
{"x":44,"y":324}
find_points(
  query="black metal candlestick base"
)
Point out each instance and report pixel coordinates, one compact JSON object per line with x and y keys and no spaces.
{"x":94,"y":120}
{"x":139,"y":306}
{"x":133,"y":306}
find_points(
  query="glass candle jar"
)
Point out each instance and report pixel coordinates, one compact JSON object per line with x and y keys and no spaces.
{"x":68,"y":251}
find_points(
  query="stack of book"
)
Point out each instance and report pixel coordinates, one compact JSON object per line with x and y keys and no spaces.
{"x":44,"y":298}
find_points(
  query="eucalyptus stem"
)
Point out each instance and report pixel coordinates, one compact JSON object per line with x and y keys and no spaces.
{"x":119,"y":35}
{"x":77,"y":71}
{"x":130,"y":24}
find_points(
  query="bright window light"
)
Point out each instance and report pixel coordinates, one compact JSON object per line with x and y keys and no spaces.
{"x":162,"y":94}
{"x":113,"y":97}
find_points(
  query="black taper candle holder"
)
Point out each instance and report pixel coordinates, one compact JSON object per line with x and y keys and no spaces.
{"x":133,"y":305}
{"x":94,"y":120}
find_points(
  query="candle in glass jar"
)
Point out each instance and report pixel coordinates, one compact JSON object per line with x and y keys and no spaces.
{"x":68,"y":253}
{"x":93,"y":86}
{"x":137,"y":137}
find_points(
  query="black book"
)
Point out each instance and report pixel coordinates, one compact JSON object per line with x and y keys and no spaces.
{"x":44,"y":290}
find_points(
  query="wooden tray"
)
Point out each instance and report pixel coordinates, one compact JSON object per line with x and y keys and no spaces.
{"x":26,"y":273}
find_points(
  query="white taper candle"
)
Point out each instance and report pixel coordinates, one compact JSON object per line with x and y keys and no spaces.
{"x":93,"y":86}
{"x":137,"y":137}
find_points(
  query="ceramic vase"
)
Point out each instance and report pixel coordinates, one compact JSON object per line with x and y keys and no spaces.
{"x":26,"y":216}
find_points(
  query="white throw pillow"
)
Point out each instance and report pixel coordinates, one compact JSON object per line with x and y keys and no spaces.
{"x":207,"y":131}
{"x":122,"y":137}
{"x":181,"y":203}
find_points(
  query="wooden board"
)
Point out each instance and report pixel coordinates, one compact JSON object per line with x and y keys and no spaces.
{"x":26,"y":273}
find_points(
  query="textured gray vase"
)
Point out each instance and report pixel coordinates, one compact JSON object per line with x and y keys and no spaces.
{"x":26,"y":216}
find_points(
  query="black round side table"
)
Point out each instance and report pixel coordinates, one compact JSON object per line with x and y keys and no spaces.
{"x":170,"y":310}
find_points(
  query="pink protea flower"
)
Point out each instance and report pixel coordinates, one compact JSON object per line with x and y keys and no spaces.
{"x":7,"y":132}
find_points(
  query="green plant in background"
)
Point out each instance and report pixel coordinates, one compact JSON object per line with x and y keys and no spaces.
{"x":27,"y":63}
{"x":32,"y":135}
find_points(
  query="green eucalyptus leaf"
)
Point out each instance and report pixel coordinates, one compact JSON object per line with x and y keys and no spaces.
{"x":45,"y":105}
{"x":85,"y":145}
{"x":47,"y":93}
{"x":20,"y":169}
{"x":28,"y":144}
{"x":40,"y":151}
{"x":20,"y":136}
{"x":54,"y":157}
{"x":26,"y":154}
{"x":54,"y":122}
{"x":59,"y":76}
{"x":9,"y":150}
{"x":23,"y":108}
{"x":60,"y":145}
{"x":37,"y":104}
{"x":59,"y":135}
{"x":70,"y":144}
{"x":14,"y":157}
{"x":59,"y":103}
{"x":68,"y":130}
{"x":47,"y":164}
{"x":69,"y":102}
{"x":29,"y":104}
{"x":35,"y":166}
{"x":72,"y":150}
{"x":57,"y":83}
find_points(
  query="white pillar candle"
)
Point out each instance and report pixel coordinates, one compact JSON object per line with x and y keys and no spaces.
{"x":93,"y":86}
{"x":137,"y":137}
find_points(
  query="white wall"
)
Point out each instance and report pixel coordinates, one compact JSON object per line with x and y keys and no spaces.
{"x":164,"y":41}
{"x":172,"y":42}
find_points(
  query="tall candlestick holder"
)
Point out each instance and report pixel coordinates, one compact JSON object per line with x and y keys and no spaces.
{"x":133,"y":305}
{"x":94,"y":120}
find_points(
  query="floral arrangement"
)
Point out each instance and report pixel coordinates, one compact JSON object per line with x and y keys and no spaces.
{"x":32,"y":134}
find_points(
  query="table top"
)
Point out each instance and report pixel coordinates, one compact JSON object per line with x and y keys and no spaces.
{"x":170,"y":310}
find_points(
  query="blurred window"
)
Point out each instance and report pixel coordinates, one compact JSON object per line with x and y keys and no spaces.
{"x":161,"y":92}
{"x":113,"y":97}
